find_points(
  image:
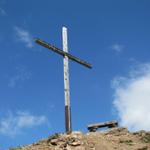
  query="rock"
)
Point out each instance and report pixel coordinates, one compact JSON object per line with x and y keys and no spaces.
{"x":54,"y":141}
{"x":113,"y":139}
{"x":76,"y":143}
{"x":117,"y":131}
{"x":143,"y":148}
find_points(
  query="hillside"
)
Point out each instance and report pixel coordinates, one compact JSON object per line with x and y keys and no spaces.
{"x":112,"y":139}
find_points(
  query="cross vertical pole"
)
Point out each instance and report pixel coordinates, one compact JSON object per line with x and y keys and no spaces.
{"x":66,"y":82}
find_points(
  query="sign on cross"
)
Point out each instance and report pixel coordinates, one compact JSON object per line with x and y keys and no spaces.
{"x":66,"y":56}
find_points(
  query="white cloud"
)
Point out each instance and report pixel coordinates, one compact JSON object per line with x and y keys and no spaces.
{"x":117,"y":48}
{"x":14,"y":124}
{"x":132,"y":98}
{"x":21,"y":74}
{"x":24,"y":36}
{"x":2,"y":12}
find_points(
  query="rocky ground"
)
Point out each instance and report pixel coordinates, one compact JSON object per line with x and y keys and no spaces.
{"x":112,"y":139}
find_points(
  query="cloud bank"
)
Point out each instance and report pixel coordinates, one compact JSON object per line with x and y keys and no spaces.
{"x":2,"y":12}
{"x":21,"y":74}
{"x":132,"y":98}
{"x":117,"y":48}
{"x":14,"y":124}
{"x":24,"y":36}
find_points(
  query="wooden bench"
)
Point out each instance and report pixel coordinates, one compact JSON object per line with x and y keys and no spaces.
{"x":109,"y":124}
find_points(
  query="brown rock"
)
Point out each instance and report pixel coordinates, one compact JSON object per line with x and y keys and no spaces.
{"x":54,"y":141}
{"x":76,"y":143}
{"x":113,"y":139}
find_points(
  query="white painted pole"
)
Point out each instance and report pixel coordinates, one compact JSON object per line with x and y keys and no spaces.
{"x":66,"y":82}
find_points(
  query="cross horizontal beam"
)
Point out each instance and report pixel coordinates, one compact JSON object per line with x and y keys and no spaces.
{"x":61,"y":52}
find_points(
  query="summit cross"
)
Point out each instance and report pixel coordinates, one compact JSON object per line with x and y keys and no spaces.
{"x":66,"y":57}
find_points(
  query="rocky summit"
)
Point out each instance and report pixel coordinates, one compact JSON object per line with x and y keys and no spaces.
{"x":112,"y":139}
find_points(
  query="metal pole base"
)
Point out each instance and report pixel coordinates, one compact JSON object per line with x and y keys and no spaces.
{"x":68,"y":119}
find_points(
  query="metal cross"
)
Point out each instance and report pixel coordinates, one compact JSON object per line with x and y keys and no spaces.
{"x":66,"y":56}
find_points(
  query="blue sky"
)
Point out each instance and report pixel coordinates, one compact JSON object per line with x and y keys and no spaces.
{"x":112,"y":35}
